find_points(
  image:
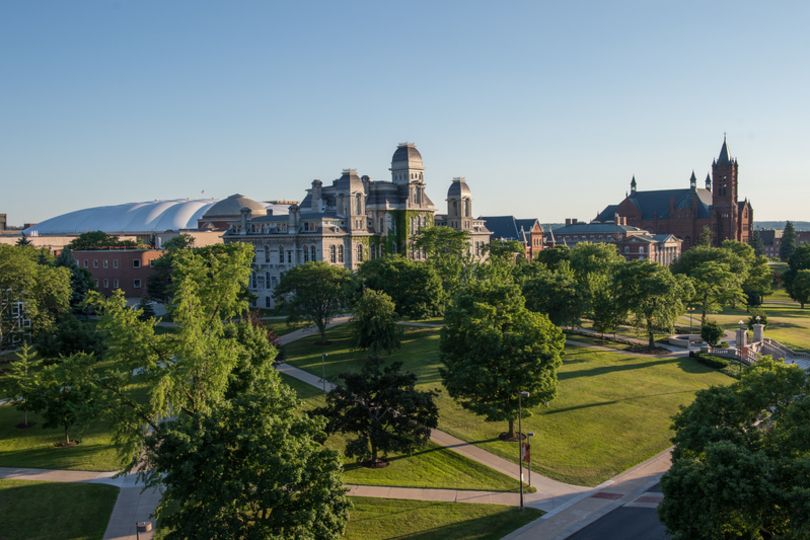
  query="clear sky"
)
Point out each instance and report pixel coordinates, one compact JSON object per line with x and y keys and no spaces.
{"x":547,"y":108}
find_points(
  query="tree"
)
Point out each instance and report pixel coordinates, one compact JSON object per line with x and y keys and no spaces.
{"x":757,"y":244}
{"x":374,"y":325}
{"x":711,"y":332}
{"x":314,"y":292}
{"x":249,"y":468}
{"x":508,"y":250}
{"x":42,"y":292}
{"x":799,"y":260}
{"x":715,"y":286}
{"x":61,"y":399}
{"x":800,"y":287}
{"x":492,"y":347}
{"x":788,"y":243}
{"x":384,"y":409}
{"x":606,"y":313}
{"x":741,"y":463}
{"x":415,"y":287}
{"x":717,"y":274}
{"x":652,"y":294}
{"x":68,"y":337}
{"x":23,"y":379}
{"x":552,"y":257}
{"x":556,"y":294}
{"x":705,"y":239}
{"x":23,"y":241}
{"x":98,"y":240}
{"x":160,"y":286}
{"x":81,"y":282}
{"x":594,"y":258}
{"x":448,"y":252}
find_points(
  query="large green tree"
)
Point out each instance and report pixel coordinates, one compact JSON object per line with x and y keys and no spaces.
{"x":556,"y":294}
{"x":652,"y":295}
{"x":788,"y":242}
{"x":448,"y":252}
{"x":383,"y":409}
{"x":492,"y":348}
{"x":800,"y":287}
{"x":81,"y":282}
{"x":741,"y":463}
{"x":374,"y":325}
{"x":415,"y":287}
{"x":798,"y":261}
{"x":552,"y":257}
{"x":160,"y":285}
{"x":23,"y":379}
{"x":249,"y":468}
{"x":757,"y":244}
{"x":99,"y":240}
{"x":314,"y":292}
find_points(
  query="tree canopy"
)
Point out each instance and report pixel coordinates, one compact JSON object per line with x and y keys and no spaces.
{"x":383,"y":409}
{"x":757,"y":244}
{"x":555,"y":293}
{"x":788,"y":243}
{"x":99,"y":240}
{"x":741,"y":464}
{"x":374,"y":324}
{"x":414,"y":287}
{"x":492,"y":347}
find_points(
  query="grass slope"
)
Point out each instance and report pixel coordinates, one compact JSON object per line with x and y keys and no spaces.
{"x":612,"y":411}
{"x":54,"y":511}
{"x":384,"y":519}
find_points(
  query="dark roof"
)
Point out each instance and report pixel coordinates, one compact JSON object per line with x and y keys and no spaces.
{"x":594,"y":228}
{"x":406,"y":152}
{"x":608,"y":214}
{"x":724,"y":155}
{"x":656,"y":203}
{"x":526,"y":224}
{"x":502,"y":227}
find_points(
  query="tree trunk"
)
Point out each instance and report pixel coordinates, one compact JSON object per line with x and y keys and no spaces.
{"x":67,"y":439}
{"x":373,"y":454}
{"x":322,"y":330}
{"x":510,"y":434}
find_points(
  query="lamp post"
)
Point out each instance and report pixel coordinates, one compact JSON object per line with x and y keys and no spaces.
{"x":529,"y":436}
{"x":739,"y":345}
{"x":520,"y":443}
{"x":323,"y":371}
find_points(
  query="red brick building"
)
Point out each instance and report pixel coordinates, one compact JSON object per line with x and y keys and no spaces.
{"x":631,"y":242}
{"x":528,"y":232}
{"x":685,"y":212}
{"x":125,"y":269}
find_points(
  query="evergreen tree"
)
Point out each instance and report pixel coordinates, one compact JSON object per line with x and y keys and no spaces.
{"x":705,"y":237}
{"x":81,"y":282}
{"x":788,"y":245}
{"x":23,"y":241}
{"x":757,"y":244}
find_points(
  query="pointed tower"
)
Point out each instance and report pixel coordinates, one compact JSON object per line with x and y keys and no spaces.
{"x":724,"y":195}
{"x":708,"y":182}
{"x":693,"y":181}
{"x":633,"y":184}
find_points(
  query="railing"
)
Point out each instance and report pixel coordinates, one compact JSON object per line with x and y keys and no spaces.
{"x":750,"y":358}
{"x":782,"y":350}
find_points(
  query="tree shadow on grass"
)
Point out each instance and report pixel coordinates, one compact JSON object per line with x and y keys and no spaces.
{"x":50,"y":457}
{"x":615,"y":368}
{"x":616,"y":401}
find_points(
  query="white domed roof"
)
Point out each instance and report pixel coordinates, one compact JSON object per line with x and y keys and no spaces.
{"x":156,"y":216}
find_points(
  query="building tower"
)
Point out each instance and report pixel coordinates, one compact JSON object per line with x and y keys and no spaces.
{"x":407,"y":169}
{"x":459,"y":205}
{"x":724,"y":197}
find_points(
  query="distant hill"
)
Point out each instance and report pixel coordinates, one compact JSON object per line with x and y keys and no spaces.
{"x":799,"y":225}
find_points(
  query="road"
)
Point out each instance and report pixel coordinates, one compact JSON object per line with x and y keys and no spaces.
{"x":636,"y":520}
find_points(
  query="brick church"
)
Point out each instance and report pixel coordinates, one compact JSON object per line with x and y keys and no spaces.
{"x":685,"y":212}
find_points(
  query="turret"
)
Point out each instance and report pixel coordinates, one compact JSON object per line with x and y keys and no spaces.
{"x":693,"y":181}
{"x":633,"y":185}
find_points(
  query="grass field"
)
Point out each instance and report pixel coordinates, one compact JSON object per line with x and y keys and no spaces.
{"x":33,"y":447}
{"x":612,"y":411}
{"x":54,"y":511}
{"x":388,"y":519}
{"x":431,"y":467}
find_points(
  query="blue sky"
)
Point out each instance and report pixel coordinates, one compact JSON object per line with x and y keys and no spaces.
{"x":547,"y":108}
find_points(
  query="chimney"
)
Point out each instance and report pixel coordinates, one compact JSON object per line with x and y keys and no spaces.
{"x":245,"y":217}
{"x":573,"y":222}
{"x":294,"y":209}
{"x":316,"y":195}
{"x":567,"y":222}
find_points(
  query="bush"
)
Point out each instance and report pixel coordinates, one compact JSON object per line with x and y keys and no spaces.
{"x":723,"y":345}
{"x":711,"y":332}
{"x":712,"y":361}
{"x":752,"y":320}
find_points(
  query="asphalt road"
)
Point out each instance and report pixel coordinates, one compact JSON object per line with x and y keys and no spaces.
{"x":625,"y":523}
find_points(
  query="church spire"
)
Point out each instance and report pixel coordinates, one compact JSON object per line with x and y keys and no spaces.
{"x":693,"y":180}
{"x":633,"y":184}
{"x":725,"y":157}
{"x":708,"y":182}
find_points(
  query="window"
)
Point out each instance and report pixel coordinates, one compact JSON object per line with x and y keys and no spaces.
{"x":106,"y":263}
{"x":641,"y":249}
{"x":382,"y":250}
{"x":136,"y":283}
{"x":86,"y":263}
{"x":115,"y":263}
{"x":151,"y":263}
{"x":136,"y":263}
{"x":340,"y":254}
{"x":289,"y":256}
{"x":306,"y":226}
{"x":332,"y":254}
{"x":115,"y":283}
{"x":281,"y":254}
{"x":358,"y":206}
{"x":372,"y":251}
{"x":106,"y":283}
{"x":312,"y":254}
{"x":253,"y":280}
{"x":261,"y":281}
{"x":359,"y":252}
{"x":306,"y":254}
{"x":95,"y":263}
{"x":268,"y":302}
{"x":393,"y":247}
{"x":467,"y":212}
{"x":627,"y":249}
{"x":267,"y":254}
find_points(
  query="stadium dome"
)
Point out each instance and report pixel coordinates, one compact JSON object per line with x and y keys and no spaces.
{"x":129,"y":218}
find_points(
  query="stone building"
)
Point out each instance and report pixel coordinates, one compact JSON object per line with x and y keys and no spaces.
{"x":685,"y":212}
{"x":631,"y":243}
{"x":352,"y":220}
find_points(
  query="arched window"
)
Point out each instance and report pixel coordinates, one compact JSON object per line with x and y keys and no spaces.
{"x":267,"y":279}
{"x":267,"y":254}
{"x":359,"y":252}
{"x":393,"y":247}
{"x":382,"y":250}
{"x":382,"y":226}
{"x":253,"y":280}
{"x":332,"y":254}
{"x":306,"y":254}
{"x":340,"y":254}
{"x":413,"y":225}
{"x":467,"y":207}
{"x":281,"y":254}
{"x":312,"y":256}
{"x":455,"y":208}
{"x":358,"y":204}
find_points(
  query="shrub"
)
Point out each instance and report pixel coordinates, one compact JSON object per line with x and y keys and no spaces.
{"x":723,"y":345}
{"x":752,"y":320}
{"x":711,"y":332}
{"x":712,"y":361}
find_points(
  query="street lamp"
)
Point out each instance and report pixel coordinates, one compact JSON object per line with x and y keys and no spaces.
{"x":739,"y":345}
{"x":520,"y":443}
{"x":529,"y":435}
{"x":323,"y":371}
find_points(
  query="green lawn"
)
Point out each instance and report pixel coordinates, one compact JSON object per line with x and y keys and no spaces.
{"x":384,"y":519}
{"x":612,"y":411}
{"x":431,"y":467}
{"x":787,"y":323}
{"x":33,"y":447}
{"x":54,"y":511}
